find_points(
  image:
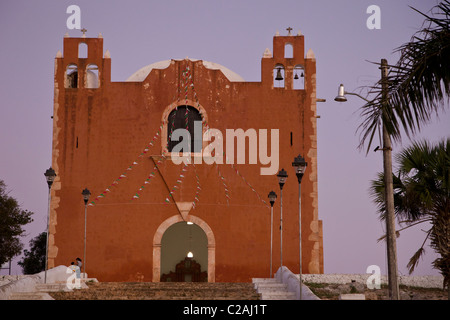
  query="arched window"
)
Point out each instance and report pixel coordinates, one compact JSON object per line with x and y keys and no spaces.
{"x":299,"y":77}
{"x":288,"y":50}
{"x":177,"y":120}
{"x":92,"y":81}
{"x":82,"y":50}
{"x":278,"y":76}
{"x":71,"y":80}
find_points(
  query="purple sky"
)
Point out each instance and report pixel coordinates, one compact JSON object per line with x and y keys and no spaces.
{"x":235,"y":34}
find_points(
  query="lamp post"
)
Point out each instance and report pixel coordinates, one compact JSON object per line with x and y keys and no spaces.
{"x":282,"y":176}
{"x":86,"y":194}
{"x":389,"y":189}
{"x":50,"y":177}
{"x":272,"y":197}
{"x":300,"y":166}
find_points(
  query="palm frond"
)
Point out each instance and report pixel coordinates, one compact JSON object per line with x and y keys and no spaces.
{"x":410,"y":224}
{"x":414,"y":261}
{"x":418,"y":84}
{"x":422,"y":193}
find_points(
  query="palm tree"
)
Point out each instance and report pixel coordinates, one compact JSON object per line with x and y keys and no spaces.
{"x":422,"y":194}
{"x":406,"y":98}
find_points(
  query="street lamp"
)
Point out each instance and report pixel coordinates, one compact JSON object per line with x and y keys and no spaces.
{"x":389,"y":188}
{"x":341,"y":95}
{"x":272,"y":197}
{"x":300,"y":166}
{"x":86,"y":194}
{"x":50,"y":176}
{"x":282,"y":177}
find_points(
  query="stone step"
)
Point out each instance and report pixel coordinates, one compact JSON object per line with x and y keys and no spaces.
{"x":271,"y":289}
{"x":163,"y":291}
{"x":81,"y":280}
{"x":29,"y":296}
{"x":278,"y":296}
{"x":175,"y":287}
{"x":47,"y":287}
{"x":55,"y":287}
{"x":352,"y":296}
{"x":173,"y":292}
{"x":264,"y":280}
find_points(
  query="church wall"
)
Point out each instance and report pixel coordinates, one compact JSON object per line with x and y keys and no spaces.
{"x":99,"y":133}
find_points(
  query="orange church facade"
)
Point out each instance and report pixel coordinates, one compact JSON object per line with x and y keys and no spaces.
{"x":114,"y":138}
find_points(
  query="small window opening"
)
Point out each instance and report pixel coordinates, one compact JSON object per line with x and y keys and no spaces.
{"x":82,"y":50}
{"x":288,"y":51}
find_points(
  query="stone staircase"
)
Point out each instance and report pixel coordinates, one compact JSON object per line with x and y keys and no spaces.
{"x":259,"y":289}
{"x":284,"y":286}
{"x":271,"y":289}
{"x":161,"y":291}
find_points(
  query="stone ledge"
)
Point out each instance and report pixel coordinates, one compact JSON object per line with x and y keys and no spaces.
{"x":412,"y":281}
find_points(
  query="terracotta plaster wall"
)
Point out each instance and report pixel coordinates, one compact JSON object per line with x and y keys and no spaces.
{"x":98,"y":133}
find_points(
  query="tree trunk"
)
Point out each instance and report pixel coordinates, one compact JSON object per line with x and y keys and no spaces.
{"x":389,"y":194}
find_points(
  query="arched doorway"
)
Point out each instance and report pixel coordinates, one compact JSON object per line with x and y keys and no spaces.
{"x":200,"y":230}
{"x":184,"y":253}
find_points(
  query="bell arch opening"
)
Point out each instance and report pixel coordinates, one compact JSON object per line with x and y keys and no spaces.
{"x":278,"y":76}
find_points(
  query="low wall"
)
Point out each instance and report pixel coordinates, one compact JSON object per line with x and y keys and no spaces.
{"x":27,"y":283}
{"x":412,"y":281}
{"x":284,"y":275}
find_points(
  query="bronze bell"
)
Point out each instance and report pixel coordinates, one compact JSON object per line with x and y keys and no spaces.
{"x":279,"y":76}
{"x":296,"y":75}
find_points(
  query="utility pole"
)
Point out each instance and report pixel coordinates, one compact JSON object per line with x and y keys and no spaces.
{"x":389,"y":192}
{"x":391,"y":243}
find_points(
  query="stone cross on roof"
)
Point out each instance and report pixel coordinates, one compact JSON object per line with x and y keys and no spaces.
{"x":289,"y":30}
{"x":84,"y":32}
